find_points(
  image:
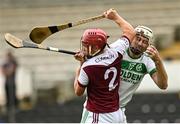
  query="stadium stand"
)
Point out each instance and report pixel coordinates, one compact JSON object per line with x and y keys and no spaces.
{"x":19,"y":18}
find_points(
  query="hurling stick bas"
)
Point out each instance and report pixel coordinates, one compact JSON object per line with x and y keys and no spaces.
{"x":39,"y":34}
{"x":18,"y":43}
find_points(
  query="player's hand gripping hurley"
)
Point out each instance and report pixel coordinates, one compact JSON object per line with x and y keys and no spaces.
{"x":39,"y":34}
{"x":18,"y":43}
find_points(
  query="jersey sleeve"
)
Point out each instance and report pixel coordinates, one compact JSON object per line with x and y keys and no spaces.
{"x":151,"y":68}
{"x":83,"y":78}
{"x":120,"y":45}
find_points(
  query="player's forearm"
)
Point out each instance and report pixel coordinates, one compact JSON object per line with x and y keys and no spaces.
{"x":76,"y":79}
{"x":162,"y":77}
{"x":126,"y":27}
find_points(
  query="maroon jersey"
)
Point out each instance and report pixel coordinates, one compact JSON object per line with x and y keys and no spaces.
{"x":101,"y":76}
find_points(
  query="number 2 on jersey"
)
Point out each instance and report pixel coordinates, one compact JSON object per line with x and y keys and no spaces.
{"x":106,"y":76}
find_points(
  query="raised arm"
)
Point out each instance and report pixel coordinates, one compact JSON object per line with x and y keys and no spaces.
{"x":160,"y":76}
{"x":127,"y":28}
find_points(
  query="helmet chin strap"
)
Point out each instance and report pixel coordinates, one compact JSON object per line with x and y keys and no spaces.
{"x":90,"y":52}
{"x":95,"y":53}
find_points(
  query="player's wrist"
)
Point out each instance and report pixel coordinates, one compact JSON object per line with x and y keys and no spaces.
{"x":157,"y":61}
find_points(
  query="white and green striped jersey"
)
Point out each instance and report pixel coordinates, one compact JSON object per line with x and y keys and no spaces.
{"x":132,"y":73}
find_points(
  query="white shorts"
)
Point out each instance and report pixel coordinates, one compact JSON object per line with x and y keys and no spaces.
{"x":124,"y":115}
{"x":111,"y":117}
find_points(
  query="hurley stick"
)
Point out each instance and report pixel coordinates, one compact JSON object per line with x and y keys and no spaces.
{"x":39,"y":34}
{"x":18,"y":43}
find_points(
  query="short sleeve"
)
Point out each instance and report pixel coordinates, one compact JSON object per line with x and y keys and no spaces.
{"x":120,"y":45}
{"x":83,"y":78}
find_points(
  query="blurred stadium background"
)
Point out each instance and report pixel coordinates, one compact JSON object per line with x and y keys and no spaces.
{"x":45,"y":79}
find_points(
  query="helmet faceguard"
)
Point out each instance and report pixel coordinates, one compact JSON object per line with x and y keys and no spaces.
{"x":94,"y":38}
{"x":145,"y":32}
